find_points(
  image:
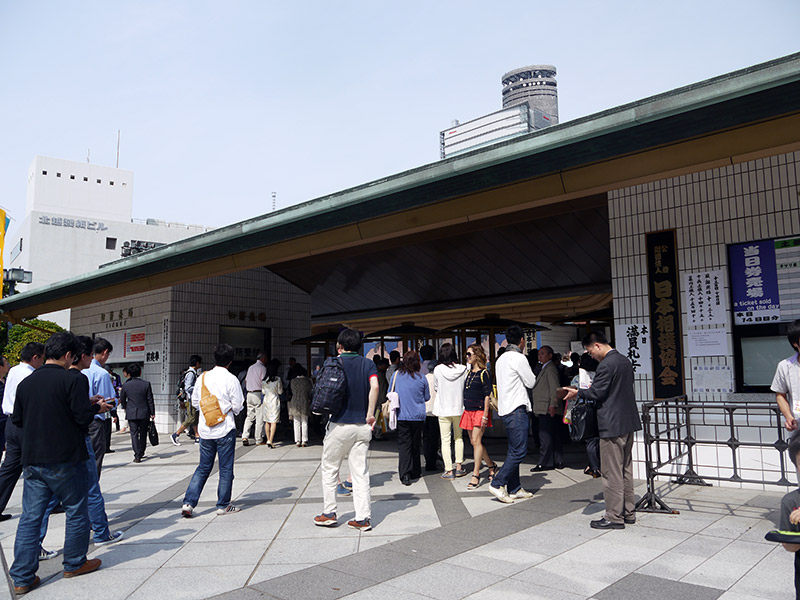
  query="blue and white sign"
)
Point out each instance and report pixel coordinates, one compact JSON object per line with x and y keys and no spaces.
{"x":754,"y":283}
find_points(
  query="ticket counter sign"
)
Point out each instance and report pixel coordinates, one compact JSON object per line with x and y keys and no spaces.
{"x":754,"y":283}
{"x":134,"y":344}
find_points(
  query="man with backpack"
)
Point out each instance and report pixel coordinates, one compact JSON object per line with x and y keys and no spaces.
{"x":353,"y":380}
{"x":185,"y":389}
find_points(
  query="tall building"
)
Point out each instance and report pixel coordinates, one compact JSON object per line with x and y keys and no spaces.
{"x":530,"y":103}
{"x":536,"y":85}
{"x":78,"y":217}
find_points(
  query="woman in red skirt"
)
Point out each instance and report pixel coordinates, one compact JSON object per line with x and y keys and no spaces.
{"x":477,"y":415}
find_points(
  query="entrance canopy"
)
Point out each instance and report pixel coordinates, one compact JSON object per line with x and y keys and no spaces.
{"x":523,"y":222}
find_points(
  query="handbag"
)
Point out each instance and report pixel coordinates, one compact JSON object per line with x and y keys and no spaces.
{"x":209,"y":405}
{"x":392,"y":398}
{"x":584,"y":422}
{"x":152,"y":433}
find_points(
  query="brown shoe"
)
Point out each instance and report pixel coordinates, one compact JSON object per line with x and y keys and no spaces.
{"x":24,"y":589}
{"x":90,"y":565}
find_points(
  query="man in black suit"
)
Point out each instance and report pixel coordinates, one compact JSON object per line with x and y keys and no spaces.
{"x":136,"y":398}
{"x":617,"y":420}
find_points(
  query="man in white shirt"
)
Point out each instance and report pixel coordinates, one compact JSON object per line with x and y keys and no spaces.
{"x":255,"y":375}
{"x":786,"y":383}
{"x":31,"y":358}
{"x":216,"y":440}
{"x":514,"y":379}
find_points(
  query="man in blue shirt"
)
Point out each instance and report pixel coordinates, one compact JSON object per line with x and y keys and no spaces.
{"x":100,"y":384}
{"x":349,"y":433}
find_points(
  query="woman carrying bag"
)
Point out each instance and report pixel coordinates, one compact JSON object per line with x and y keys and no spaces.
{"x":448,"y":385}
{"x":412,"y":393}
{"x":477,"y":414}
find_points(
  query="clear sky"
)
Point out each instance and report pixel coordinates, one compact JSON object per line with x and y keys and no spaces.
{"x":222,"y":103}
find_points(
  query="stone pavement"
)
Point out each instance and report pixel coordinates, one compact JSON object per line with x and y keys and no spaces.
{"x":433,"y":539}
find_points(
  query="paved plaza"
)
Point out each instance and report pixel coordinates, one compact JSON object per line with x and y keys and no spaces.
{"x":433,"y":539}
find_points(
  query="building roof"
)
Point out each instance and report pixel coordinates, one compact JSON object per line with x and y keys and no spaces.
{"x":715,"y":122}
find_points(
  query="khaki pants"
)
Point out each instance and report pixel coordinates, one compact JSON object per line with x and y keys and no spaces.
{"x":445,"y":424}
{"x":255,"y":413}
{"x":350,"y":441}
{"x":616,"y":464}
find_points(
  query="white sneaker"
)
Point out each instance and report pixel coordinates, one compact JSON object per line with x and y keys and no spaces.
{"x":47,"y":554}
{"x":186,"y":511}
{"x":112,"y":537}
{"x":228,"y":510}
{"x":521,"y":494}
{"x":501,"y":494}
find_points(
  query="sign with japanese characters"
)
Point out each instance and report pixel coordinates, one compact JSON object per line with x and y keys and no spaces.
{"x":665,"y":314}
{"x":633,"y":341}
{"x":704,"y":297}
{"x":754,"y":283}
{"x":72,"y":222}
{"x":134,"y":344}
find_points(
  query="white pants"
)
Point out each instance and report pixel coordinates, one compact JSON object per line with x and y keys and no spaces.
{"x":444,"y":430}
{"x":254,"y":413}
{"x":351,"y":441}
{"x":300,"y":430}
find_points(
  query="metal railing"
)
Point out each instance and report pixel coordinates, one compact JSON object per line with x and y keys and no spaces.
{"x":670,"y":442}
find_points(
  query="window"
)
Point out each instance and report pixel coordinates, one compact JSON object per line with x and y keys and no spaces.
{"x":124,"y":184}
{"x":86,"y":179}
{"x":44,"y":172}
{"x":98,"y":181}
{"x":111,"y":243}
{"x":58,"y":174}
{"x":110,"y":183}
{"x":72,"y":176}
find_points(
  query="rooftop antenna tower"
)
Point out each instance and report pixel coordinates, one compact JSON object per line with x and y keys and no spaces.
{"x":118,"y":148}
{"x":88,"y":154}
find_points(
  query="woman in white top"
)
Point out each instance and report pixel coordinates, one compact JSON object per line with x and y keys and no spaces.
{"x":272,"y":388}
{"x":448,"y":383}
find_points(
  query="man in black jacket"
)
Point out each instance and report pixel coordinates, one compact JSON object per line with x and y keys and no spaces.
{"x":617,"y":419}
{"x":52,"y":402}
{"x":136,"y":398}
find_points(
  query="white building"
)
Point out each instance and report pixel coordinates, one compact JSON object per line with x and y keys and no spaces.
{"x":79,"y":216}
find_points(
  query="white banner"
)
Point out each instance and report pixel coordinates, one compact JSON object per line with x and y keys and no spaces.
{"x":705,"y":300}
{"x":633,"y":341}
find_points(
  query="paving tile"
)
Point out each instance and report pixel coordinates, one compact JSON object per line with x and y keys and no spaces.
{"x":685,"y":557}
{"x":636,"y":586}
{"x":511,"y":589}
{"x":378,"y":565}
{"x":266,"y":571}
{"x":384,"y":591}
{"x":500,"y":560}
{"x":318,"y":583}
{"x":731,"y":526}
{"x":367,"y":540}
{"x":444,"y":581}
{"x":221,"y":553}
{"x":105,"y":583}
{"x":579,"y":578}
{"x":190,"y":583}
{"x":771,"y":578}
{"x":298,"y":550}
{"x":135,"y":556}
{"x":432,"y":546}
{"x":729,"y":565}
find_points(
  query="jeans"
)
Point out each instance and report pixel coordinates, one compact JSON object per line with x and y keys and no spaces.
{"x":69,"y":482}
{"x":209,"y":449}
{"x":96,"y":504}
{"x":516,"y":423}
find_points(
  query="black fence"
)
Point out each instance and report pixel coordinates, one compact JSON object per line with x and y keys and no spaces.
{"x":670,"y":442}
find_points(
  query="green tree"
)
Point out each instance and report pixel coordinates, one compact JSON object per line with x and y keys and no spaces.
{"x":19,"y":335}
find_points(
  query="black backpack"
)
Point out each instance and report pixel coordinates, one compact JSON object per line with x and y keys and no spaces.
{"x":180,"y":392}
{"x":331,"y":388}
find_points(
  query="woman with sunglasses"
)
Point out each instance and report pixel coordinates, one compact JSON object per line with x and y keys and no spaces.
{"x":477,"y":414}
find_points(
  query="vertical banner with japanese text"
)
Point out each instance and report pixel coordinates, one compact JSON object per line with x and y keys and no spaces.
{"x":633,"y":340}
{"x":665,"y":314}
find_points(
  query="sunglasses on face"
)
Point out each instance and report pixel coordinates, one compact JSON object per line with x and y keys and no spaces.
{"x":469,"y":354}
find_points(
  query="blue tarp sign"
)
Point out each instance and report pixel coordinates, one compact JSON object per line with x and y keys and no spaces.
{"x":754,"y":283}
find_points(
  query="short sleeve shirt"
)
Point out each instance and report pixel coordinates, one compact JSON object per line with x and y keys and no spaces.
{"x":358,"y":371}
{"x":789,"y":503}
{"x":787,"y":381}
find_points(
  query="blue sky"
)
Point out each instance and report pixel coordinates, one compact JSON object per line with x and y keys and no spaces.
{"x":221,"y":103}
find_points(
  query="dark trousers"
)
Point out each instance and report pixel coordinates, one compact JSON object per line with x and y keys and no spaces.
{"x":593,"y":452}
{"x":431,"y":442}
{"x":535,"y":430}
{"x":139,"y":436}
{"x":516,"y":423}
{"x":3,"y":419}
{"x":550,"y":436}
{"x":12,"y":464}
{"x":409,"y":437}
{"x":110,"y":421}
{"x":97,"y":433}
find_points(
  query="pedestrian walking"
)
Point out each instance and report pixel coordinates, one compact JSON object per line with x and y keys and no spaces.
{"x":477,"y":414}
{"x":216,"y":393}
{"x":300,"y":405}
{"x":448,"y":384}
{"x":348,"y":434}
{"x":136,"y":398}
{"x":185,"y":392}
{"x":514,"y":379}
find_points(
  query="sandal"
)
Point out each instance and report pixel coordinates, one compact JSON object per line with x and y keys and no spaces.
{"x":492,"y":471}
{"x":448,"y":475}
{"x":471,"y":485}
{"x":460,"y":472}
